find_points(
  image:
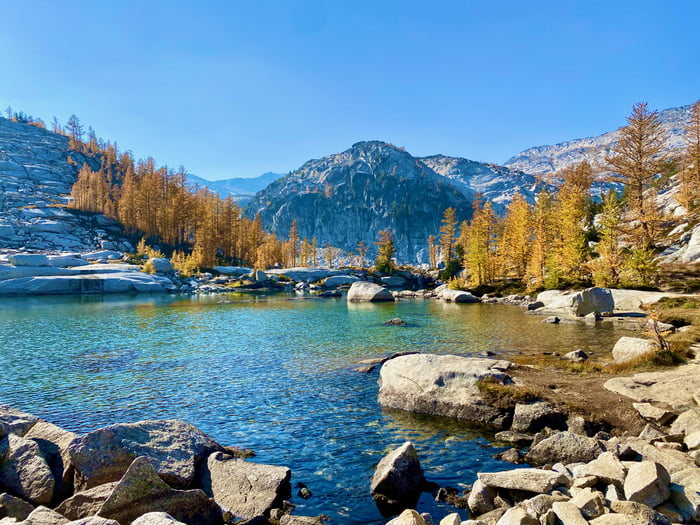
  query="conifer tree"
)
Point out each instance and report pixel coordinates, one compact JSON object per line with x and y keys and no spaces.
{"x":448,"y":234}
{"x":636,"y":160}
{"x":689,"y":194}
{"x":479,"y":249}
{"x":432,"y":251}
{"x":385,"y":252}
{"x":607,"y":267}
{"x":362,"y":254}
{"x":293,"y":243}
{"x":517,"y":235}
{"x":570,"y":223}
{"x":536,"y":271}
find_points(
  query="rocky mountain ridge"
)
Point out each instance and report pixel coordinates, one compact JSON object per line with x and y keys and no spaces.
{"x":349,"y":197}
{"x":550,"y":158}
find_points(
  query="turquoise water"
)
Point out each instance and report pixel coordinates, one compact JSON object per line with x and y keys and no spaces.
{"x":271,"y":373}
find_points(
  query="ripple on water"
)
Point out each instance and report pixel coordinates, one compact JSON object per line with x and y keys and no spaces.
{"x":269,"y":373}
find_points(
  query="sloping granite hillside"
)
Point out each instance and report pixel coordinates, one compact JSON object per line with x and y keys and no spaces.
{"x":37,"y":171}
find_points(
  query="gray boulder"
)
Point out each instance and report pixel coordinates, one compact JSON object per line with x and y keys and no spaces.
{"x":243,"y":488}
{"x":457,"y":296}
{"x":568,"y":513}
{"x":443,"y":385}
{"x":607,"y":468}
{"x":141,"y":491}
{"x":590,"y":300}
{"x":629,"y":348}
{"x":364,"y":291}
{"x":565,"y":447}
{"x":156,"y":518}
{"x":44,"y":516}
{"x":591,"y":503}
{"x":407,"y":517}
{"x":685,"y":493}
{"x":481,"y":498}
{"x":527,"y":479}
{"x":647,"y":482}
{"x":340,"y":280}
{"x":534,"y":417}
{"x":161,"y":265}
{"x":15,"y":422}
{"x":87,"y":502}
{"x":577,"y":356}
{"x":53,"y":442}
{"x":640,"y":513}
{"x":517,"y":516}
{"x":16,"y":508}
{"x":398,"y":480}
{"x":26,"y":473}
{"x":29,"y":259}
{"x":174,"y":447}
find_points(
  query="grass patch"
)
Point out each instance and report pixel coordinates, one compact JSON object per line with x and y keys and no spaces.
{"x":504,"y":396}
{"x":648,"y":361}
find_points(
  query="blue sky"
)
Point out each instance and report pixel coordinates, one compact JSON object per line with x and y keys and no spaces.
{"x":232,"y":88}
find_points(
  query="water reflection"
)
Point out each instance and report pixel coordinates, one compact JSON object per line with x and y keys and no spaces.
{"x":271,"y":373}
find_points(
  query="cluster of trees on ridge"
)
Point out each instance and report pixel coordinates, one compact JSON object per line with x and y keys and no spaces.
{"x":565,"y":238}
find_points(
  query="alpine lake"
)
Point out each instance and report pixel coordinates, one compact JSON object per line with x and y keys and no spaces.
{"x":270,"y":372}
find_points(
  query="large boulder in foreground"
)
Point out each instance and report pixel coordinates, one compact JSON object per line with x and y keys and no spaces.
{"x":243,"y":488}
{"x":398,"y":481}
{"x":364,"y":291}
{"x":25,"y":471}
{"x":444,"y":385}
{"x":141,"y":491}
{"x":175,"y":449}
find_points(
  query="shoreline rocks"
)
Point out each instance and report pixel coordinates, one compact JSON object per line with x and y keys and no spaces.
{"x":127,"y":472}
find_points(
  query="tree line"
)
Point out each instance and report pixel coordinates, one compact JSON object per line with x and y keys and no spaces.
{"x":567,"y":238}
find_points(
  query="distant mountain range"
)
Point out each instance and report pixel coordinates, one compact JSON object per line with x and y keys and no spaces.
{"x":240,"y":188}
{"x":341,"y":199}
{"x":548,"y":159}
{"x":349,"y":197}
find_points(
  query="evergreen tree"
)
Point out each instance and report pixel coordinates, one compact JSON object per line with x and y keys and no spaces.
{"x":517,"y":236}
{"x":448,"y":234}
{"x":689,"y":194}
{"x":479,"y":249}
{"x":385,"y":252}
{"x":636,"y":160}
{"x":607,"y":267}
{"x":540,"y":249}
{"x":362,"y":254}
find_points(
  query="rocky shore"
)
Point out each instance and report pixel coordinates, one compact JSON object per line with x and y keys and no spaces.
{"x":578,"y":473}
{"x":146,"y":473}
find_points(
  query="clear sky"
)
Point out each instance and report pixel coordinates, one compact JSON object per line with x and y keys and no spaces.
{"x":236,"y":88}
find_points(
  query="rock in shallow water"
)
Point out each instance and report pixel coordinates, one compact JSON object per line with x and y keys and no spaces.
{"x":444,"y":385}
{"x":398,"y":481}
{"x":243,"y":488}
{"x":363,"y":291}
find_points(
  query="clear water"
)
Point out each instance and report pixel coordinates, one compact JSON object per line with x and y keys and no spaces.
{"x":271,"y":373}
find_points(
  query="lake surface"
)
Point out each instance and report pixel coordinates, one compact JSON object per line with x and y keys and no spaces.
{"x":269,"y":372}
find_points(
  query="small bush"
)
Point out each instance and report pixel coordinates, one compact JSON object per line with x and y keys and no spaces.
{"x":504,"y":396}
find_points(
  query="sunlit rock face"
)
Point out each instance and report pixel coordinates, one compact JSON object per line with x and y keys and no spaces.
{"x":37,"y":172}
{"x":349,"y":197}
